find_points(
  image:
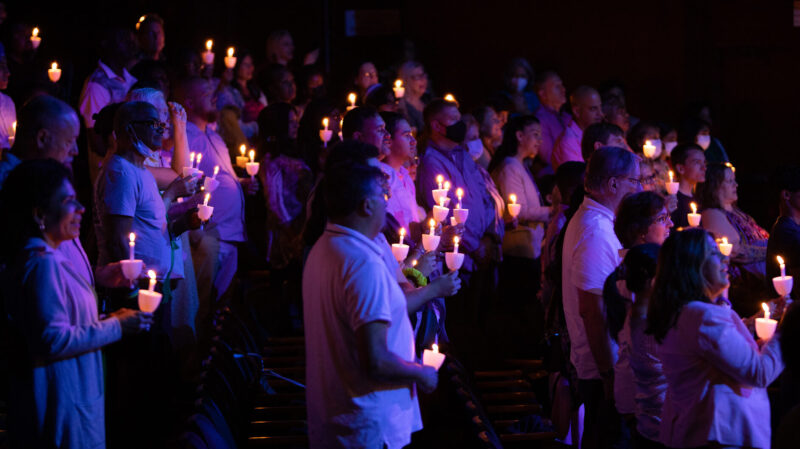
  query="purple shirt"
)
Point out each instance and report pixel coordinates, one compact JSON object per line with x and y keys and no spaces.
{"x":459,"y":168}
{"x":568,"y":145}
{"x":552,"y":127}
{"x":227,"y":222}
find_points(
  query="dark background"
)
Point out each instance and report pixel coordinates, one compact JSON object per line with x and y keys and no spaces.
{"x":740,"y":55}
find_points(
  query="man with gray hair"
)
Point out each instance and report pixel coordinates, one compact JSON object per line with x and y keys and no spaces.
{"x":586,"y":110}
{"x":590,"y":254}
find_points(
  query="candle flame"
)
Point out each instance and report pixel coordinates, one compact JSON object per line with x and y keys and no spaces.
{"x":209,"y":44}
{"x":351,"y":98}
{"x":435,"y":347}
{"x":216,"y":170}
{"x":151,"y":274}
{"x":456,"y":239}
{"x":199,"y":156}
{"x":141,"y":19}
{"x":694,"y":208}
{"x":54,"y":66}
{"x":192,"y":155}
{"x":325,"y":122}
{"x":432,"y":222}
{"x":208,"y":197}
{"x":14,"y":126}
{"x":442,"y":200}
{"x":439,"y":178}
{"x":242,"y":149}
{"x":513,"y":198}
{"x":447,"y":185}
{"x":671,"y":174}
{"x":413,"y":263}
{"x":725,"y":240}
{"x":765,"y":306}
{"x":398,"y":84}
{"x":230,"y":52}
{"x":450,"y":97}
{"x":459,"y":192}
{"x":132,"y":236}
{"x":35,"y":32}
{"x":780,"y":260}
{"x":252,"y":155}
{"x":402,"y":232}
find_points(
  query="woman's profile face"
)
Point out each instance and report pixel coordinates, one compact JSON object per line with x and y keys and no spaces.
{"x":727,"y":190}
{"x":659,"y":229}
{"x":714,"y":269}
{"x":63,"y":220}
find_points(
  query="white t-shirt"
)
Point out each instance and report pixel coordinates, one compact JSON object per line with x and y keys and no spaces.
{"x":346,"y":284}
{"x":130,"y":191}
{"x":591,"y":253}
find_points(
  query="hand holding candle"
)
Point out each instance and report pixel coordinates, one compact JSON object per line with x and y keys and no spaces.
{"x":208,"y":55}
{"x":149,"y":299}
{"x":513,"y":208}
{"x":241,"y":161}
{"x":35,"y":39}
{"x":648,"y":149}
{"x":693,"y":217}
{"x":783,"y":284}
{"x":351,"y":98}
{"x":399,"y":90}
{"x":432,"y":357}
{"x":325,"y":134}
{"x":400,"y":250}
{"x":724,"y":247}
{"x":765,"y":327}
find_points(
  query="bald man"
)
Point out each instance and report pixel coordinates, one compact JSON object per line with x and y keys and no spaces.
{"x":587,"y":109}
{"x":214,"y":248}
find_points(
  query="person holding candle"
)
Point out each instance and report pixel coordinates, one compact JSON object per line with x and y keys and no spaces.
{"x":717,"y":375}
{"x":590,"y":254}
{"x":553,"y":96}
{"x":309,"y":143}
{"x":360,"y":372}
{"x":784,"y":237}
{"x":57,"y":392}
{"x":586,"y":110}
{"x":403,"y":203}
{"x":689,"y":164}
{"x":109,"y":83}
{"x":722,"y":217}
{"x":244,"y":98}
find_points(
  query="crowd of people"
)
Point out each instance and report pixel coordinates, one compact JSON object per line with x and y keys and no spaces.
{"x":394,"y":220}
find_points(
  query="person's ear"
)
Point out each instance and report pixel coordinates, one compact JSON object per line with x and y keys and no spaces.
{"x":38,"y":217}
{"x":357,"y":135}
{"x":367,"y":208}
{"x":519,"y":135}
{"x":43,"y":138}
{"x":785,"y":195}
{"x":598,"y":144}
{"x":680,"y":169}
{"x":612,"y":184}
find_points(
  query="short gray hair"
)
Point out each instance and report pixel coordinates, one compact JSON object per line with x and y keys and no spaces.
{"x":605,"y":163}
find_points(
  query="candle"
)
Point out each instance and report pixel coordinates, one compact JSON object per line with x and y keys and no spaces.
{"x":326,"y":134}
{"x":208,"y":55}
{"x":454,"y":259}
{"x":199,"y":156}
{"x":139,"y":23}
{"x":455,"y":243}
{"x":13,"y":133}
{"x":325,"y":123}
{"x":783,"y":266}
{"x":432,"y":357}
{"x":439,"y":180}
{"x":192,"y":155}
{"x":399,"y":90}
{"x":400,"y":250}
{"x":241,"y":161}
{"x":459,"y":194}
{"x":765,"y":327}
{"x":216,"y":171}
{"x":672,"y":186}
{"x":402,"y":235}
{"x":208,"y":197}
{"x":431,"y":241}
{"x":54,"y":73}
{"x":513,"y":208}
{"x":694,"y":217}
{"x":230,"y":60}
{"x":252,"y":155}
{"x":648,"y":149}
{"x":35,"y":39}
{"x":449,"y":97}
{"x":724,"y":247}
{"x":432,"y":224}
{"x":152,"y":275}
{"x":252,"y":166}
{"x":132,"y":244}
{"x":783,"y":284}
{"x":447,"y":185}
{"x":670,"y":176}
{"x":352,"y":99}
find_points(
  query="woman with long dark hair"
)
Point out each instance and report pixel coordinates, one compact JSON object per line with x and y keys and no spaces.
{"x":717,"y":375}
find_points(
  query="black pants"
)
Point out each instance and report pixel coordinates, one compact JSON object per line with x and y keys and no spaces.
{"x":602,"y":425}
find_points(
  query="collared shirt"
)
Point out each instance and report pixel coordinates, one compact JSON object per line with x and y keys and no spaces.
{"x":130,"y":191}
{"x":458,"y":167}
{"x":552,"y":127}
{"x":568,"y":145}
{"x":227,"y":222}
{"x":8,"y":115}
{"x":717,"y":380}
{"x":102,"y":88}
{"x":402,"y":204}
{"x":590,"y":254}
{"x":346,"y":285}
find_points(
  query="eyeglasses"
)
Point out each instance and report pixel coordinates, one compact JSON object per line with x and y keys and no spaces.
{"x":635,"y":181}
{"x":662,"y":219}
{"x":156,"y":124}
{"x":649,"y":180}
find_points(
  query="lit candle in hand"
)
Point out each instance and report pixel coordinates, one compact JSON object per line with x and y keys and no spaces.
{"x":455,"y":243}
{"x":724,"y":247}
{"x":352,"y":99}
{"x":402,"y":235}
{"x":54,"y":73}
{"x":208,"y":197}
{"x":783,"y":266}
{"x":152,"y":275}
{"x":672,"y":186}
{"x":513,"y":208}
{"x":208,"y":55}
{"x":694,"y":217}
{"x":35,"y":39}
{"x":399,"y":90}
{"x":199,"y":157}
{"x":216,"y":171}
{"x":230,"y":60}
{"x":432,"y":224}
{"x":252,"y":156}
{"x":648,"y":149}
{"x":131,"y":244}
{"x":765,"y":327}
{"x":325,"y":123}
{"x":459,"y":194}
{"x":449,"y":97}
{"x":241,"y":161}
{"x":432,"y":357}
{"x":439,"y":180}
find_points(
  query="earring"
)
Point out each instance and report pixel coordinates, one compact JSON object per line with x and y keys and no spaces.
{"x":41,"y":226}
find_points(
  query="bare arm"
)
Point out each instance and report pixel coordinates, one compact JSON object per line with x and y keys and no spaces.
{"x":386,"y":366}
{"x":180,"y":155}
{"x":590,"y":308}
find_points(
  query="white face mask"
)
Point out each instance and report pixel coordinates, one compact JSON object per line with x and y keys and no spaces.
{"x":656,"y":143}
{"x":475,"y":148}
{"x":519,"y":83}
{"x":669,"y":146}
{"x":143,"y":149}
{"x":704,"y":141}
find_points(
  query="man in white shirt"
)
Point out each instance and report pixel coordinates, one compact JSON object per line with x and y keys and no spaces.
{"x":361,"y":373}
{"x":590,"y":254}
{"x":109,"y":83}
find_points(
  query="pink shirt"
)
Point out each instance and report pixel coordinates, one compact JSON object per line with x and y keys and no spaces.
{"x":102,"y":88}
{"x":552,"y":127}
{"x":568,"y":146}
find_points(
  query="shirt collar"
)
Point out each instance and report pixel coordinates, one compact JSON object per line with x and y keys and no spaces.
{"x":591,"y":204}
{"x":343,"y":230}
{"x":126,"y":77}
